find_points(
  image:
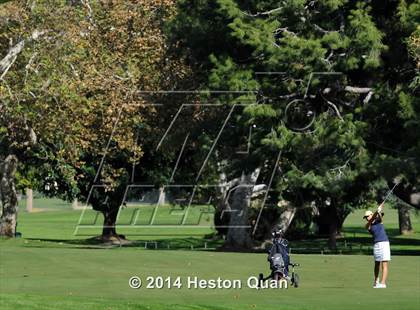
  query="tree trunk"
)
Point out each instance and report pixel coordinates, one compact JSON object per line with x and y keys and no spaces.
{"x":110,"y":219}
{"x":222,"y":216}
{"x":333,"y":232}
{"x":109,"y":232}
{"x":330,"y":221}
{"x":286,"y":218}
{"x":29,"y":199}
{"x":404,"y":219}
{"x":162,"y":198}
{"x":238,"y":236}
{"x":8,"y":197}
{"x":75,"y":204}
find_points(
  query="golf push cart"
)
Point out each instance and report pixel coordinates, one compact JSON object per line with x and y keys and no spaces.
{"x":279,"y":261}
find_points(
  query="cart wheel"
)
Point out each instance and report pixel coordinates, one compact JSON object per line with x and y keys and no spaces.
{"x":295,"y":280}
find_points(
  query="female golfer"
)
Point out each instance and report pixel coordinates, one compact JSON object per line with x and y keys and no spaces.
{"x":381,"y":250}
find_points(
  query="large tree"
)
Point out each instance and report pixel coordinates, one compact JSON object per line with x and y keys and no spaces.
{"x":325,"y":64}
{"x":72,"y":76}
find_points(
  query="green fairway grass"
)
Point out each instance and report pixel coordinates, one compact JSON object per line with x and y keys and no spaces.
{"x":51,"y":268}
{"x":48,"y":278}
{"x":41,"y":203}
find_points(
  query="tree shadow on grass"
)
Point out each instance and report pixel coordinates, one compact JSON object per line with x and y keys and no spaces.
{"x":160,"y":244}
{"x":354,"y":241}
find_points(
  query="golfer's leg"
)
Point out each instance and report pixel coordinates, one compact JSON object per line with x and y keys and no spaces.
{"x":376,"y":271}
{"x":384,"y":272}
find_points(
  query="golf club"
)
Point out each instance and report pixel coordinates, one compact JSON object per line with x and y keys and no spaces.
{"x":387,"y":196}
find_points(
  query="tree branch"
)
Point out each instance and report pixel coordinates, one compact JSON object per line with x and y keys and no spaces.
{"x":358,"y":90}
{"x":263,"y":13}
{"x":14,"y":51}
{"x":361,"y":90}
{"x":258,"y":190}
{"x":320,"y":29}
{"x":90,"y":11}
{"x":285,"y":30}
{"x":10,"y":58}
{"x":28,"y":66}
{"x":31,"y":136}
{"x":367,"y":98}
{"x":335,"y":109}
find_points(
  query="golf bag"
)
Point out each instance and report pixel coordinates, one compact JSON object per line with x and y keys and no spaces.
{"x":278,"y":256}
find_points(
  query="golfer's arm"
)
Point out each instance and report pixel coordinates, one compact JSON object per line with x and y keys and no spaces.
{"x":369,"y":223}
{"x":375,"y":216}
{"x":378,"y":215}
